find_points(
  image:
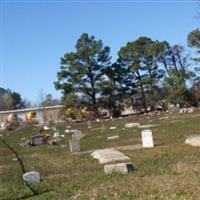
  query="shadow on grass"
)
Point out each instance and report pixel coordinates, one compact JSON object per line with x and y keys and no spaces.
{"x":29,"y":196}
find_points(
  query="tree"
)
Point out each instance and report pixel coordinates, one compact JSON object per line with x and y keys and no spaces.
{"x":81,"y":71}
{"x":194,"y":41}
{"x":10,"y":100}
{"x":49,"y":101}
{"x":141,"y":60}
{"x":113,"y":88}
{"x":176,"y":64}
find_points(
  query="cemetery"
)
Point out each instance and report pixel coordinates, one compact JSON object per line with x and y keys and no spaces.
{"x":143,"y":157}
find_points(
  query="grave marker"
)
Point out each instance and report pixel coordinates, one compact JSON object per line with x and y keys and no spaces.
{"x":74,"y":145}
{"x":37,"y":140}
{"x":147,"y":139}
{"x":31,"y":177}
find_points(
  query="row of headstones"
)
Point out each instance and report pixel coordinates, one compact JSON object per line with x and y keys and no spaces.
{"x":147,"y":141}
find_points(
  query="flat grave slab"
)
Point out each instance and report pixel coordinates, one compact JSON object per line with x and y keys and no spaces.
{"x":123,"y":168}
{"x":110,"y":155}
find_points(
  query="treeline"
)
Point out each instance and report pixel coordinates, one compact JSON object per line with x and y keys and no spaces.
{"x":11,"y":100}
{"x":146,"y":72}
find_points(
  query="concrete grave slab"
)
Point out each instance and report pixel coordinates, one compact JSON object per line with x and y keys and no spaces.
{"x":110,"y":155}
{"x":123,"y":168}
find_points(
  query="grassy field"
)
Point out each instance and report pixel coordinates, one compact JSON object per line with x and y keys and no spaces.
{"x":170,"y":170}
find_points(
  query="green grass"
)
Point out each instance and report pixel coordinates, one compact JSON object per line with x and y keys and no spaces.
{"x":170,"y":170}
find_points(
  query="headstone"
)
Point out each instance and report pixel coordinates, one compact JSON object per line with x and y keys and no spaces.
{"x":112,"y":127}
{"x":4,"y":125}
{"x":77,"y":135}
{"x":31,"y":177}
{"x":74,"y":145}
{"x":67,"y":131}
{"x":147,"y":139}
{"x":193,"y":140}
{"x":113,"y":137}
{"x":132,"y":125}
{"x":37,"y":140}
{"x":56,"y":135}
{"x":89,"y":123}
{"x":123,"y":168}
{"x":46,"y":128}
{"x":147,"y":126}
{"x":190,"y":110}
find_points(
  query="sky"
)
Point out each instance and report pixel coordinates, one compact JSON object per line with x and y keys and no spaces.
{"x":36,"y":33}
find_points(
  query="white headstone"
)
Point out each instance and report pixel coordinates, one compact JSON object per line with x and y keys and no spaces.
{"x":113,"y":137}
{"x":31,"y":177}
{"x":132,"y":125}
{"x":56,"y":135}
{"x":147,"y":139}
{"x":74,"y":145}
{"x":113,"y":127}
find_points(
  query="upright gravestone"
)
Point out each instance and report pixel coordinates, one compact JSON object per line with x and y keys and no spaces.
{"x":31,"y":177}
{"x":77,"y":134}
{"x":74,"y":145}
{"x":37,"y":140}
{"x":147,"y":139}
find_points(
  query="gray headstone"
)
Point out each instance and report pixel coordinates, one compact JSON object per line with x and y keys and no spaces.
{"x":74,"y":145}
{"x":147,"y":139}
{"x":31,"y":177}
{"x":77,"y":135}
{"x":37,"y":140}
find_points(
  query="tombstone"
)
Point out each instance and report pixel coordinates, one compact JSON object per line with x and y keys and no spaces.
{"x":193,"y":140}
{"x":147,"y":139}
{"x":46,"y":128}
{"x":56,"y":135}
{"x":113,"y":137}
{"x":37,"y":140}
{"x":77,"y":135}
{"x":67,"y":131}
{"x":89,"y":123}
{"x":74,"y":145}
{"x":31,"y":177}
{"x":132,"y":125}
{"x":113,"y":127}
